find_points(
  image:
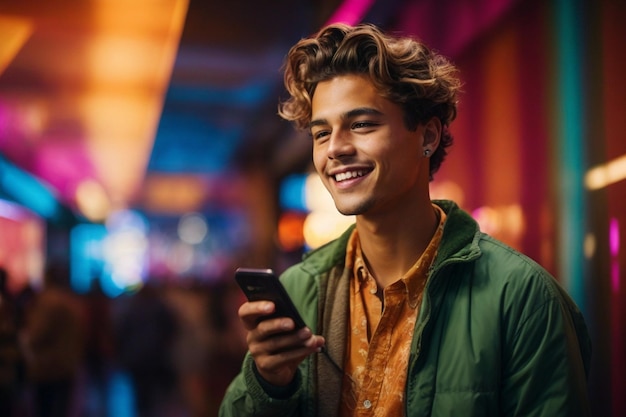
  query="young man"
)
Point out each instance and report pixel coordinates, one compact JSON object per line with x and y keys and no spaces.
{"x":413,"y":311}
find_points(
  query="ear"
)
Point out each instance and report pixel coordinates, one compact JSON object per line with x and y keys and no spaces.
{"x":432,"y":136}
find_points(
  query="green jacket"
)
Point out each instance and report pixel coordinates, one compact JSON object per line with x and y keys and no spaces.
{"x":496,"y":336}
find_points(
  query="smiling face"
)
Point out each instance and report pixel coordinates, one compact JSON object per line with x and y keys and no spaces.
{"x":366,"y":157}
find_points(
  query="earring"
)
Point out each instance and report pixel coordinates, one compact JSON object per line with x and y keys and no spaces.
{"x":426,"y":153}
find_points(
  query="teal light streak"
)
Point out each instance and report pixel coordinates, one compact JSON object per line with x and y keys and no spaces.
{"x":28,"y":191}
{"x":570,"y":157}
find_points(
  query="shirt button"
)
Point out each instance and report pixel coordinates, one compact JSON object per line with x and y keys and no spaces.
{"x":367,"y":404}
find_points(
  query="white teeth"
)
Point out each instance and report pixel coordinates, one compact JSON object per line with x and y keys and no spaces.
{"x":347,"y":175}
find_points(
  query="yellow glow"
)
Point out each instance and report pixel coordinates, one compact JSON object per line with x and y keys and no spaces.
{"x":513,"y":218}
{"x":173,"y":194}
{"x":488,"y":219}
{"x":321,"y":227}
{"x":316,"y":195}
{"x":449,"y":190}
{"x":121,"y":60}
{"x":92,"y":200}
{"x":590,"y":245}
{"x":13,"y":34}
{"x":606,"y":174}
{"x":324,"y":223}
{"x":120,"y":130}
{"x":503,"y":222}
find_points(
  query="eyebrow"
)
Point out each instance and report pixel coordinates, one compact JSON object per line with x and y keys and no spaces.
{"x":359,"y":111}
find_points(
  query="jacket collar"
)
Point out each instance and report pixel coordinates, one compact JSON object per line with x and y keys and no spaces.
{"x":458,"y":243}
{"x":460,"y":235}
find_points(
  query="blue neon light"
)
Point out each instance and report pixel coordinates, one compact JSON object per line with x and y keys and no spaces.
{"x":570,"y":154}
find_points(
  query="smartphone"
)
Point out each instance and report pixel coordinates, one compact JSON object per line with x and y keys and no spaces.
{"x":263,"y":284}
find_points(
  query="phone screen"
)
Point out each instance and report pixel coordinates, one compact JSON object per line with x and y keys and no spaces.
{"x":263,"y":284}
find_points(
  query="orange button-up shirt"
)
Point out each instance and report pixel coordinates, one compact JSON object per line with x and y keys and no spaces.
{"x":380,"y":333}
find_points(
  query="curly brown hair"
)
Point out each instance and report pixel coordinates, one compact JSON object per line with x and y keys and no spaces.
{"x":404,"y":70}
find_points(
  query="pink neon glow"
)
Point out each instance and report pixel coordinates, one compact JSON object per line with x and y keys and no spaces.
{"x":615,"y":276}
{"x":63,"y":165}
{"x":614,"y":237}
{"x":465,"y":21}
{"x":614,"y":249}
{"x":350,"y":12}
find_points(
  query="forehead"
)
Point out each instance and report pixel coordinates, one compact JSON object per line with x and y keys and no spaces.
{"x":343,"y":93}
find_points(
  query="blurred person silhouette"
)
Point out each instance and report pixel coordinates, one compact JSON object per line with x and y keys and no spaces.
{"x":99,"y":350}
{"x":191,"y":348}
{"x":52,"y":341}
{"x":145,"y":331}
{"x":9,"y":349}
{"x":413,"y":311}
{"x":23,"y":299}
{"x":228,"y":344}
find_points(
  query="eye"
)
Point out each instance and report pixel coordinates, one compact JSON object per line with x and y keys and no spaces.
{"x":319,"y":134}
{"x":363,"y":125}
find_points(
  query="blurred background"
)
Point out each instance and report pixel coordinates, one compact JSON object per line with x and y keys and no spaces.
{"x":142,"y":161}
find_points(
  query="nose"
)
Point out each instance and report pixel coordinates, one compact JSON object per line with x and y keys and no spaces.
{"x":340,"y":145}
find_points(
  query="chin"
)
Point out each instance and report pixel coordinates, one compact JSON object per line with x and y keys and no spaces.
{"x":346,"y":212}
{"x":352,"y":210}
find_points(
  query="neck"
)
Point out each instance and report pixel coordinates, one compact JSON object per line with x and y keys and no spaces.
{"x":393,"y":243}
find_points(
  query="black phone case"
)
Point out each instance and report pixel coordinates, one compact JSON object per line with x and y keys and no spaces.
{"x":263,"y":284}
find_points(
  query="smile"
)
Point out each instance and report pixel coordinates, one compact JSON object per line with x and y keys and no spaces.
{"x":343,"y":176}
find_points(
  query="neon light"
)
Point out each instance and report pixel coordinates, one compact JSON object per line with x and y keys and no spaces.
{"x":121,"y":396}
{"x":606,"y":174}
{"x":351,"y":12}
{"x":614,"y":237}
{"x":29,"y":191}
{"x":570,"y":119}
{"x":11,"y":211}
{"x":614,"y":249}
{"x":292,"y":193}
{"x":86,"y":263}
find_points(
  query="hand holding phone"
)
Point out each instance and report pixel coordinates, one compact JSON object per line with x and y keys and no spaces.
{"x":277,"y":352}
{"x":263,"y":284}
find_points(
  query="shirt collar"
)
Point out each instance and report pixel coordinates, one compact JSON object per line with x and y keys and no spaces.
{"x":415,"y":278}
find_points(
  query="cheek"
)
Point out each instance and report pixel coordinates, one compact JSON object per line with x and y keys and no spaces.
{"x":319,"y":160}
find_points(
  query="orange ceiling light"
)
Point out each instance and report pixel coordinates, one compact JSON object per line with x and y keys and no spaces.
{"x":14,"y":32}
{"x":98,"y":70}
{"x":129,"y":60}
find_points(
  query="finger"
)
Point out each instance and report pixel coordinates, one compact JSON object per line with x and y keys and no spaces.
{"x":252,"y":311}
{"x":275,"y":326}
{"x":293,"y":355}
{"x":274,"y":334}
{"x":273,"y":341}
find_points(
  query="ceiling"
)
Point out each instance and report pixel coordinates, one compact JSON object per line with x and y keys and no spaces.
{"x":119,"y":103}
